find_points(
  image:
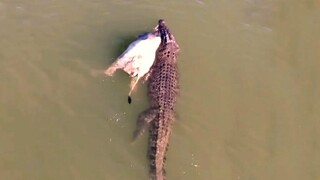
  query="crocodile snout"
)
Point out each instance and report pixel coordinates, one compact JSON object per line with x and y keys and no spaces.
{"x":163,"y":31}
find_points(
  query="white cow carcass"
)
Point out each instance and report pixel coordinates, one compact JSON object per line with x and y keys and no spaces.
{"x":138,"y":58}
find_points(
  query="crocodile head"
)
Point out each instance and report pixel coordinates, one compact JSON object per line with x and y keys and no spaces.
{"x":164,"y":32}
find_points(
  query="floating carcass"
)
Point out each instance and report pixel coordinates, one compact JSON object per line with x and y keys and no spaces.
{"x":137,"y":59}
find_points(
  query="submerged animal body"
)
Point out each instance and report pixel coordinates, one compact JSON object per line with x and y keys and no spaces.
{"x":138,"y":58}
{"x":162,"y":91}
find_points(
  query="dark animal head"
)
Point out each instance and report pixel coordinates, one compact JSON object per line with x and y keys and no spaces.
{"x":164,"y":32}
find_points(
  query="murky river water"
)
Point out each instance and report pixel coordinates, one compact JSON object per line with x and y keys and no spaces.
{"x":249,"y":103}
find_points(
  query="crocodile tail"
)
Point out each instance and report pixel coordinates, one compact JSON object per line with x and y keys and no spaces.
{"x":157,"y":160}
{"x":158,"y":143}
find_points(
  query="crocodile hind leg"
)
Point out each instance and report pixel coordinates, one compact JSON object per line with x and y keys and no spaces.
{"x":143,"y":121}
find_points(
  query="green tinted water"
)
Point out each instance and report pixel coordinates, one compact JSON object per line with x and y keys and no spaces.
{"x":249,"y":103}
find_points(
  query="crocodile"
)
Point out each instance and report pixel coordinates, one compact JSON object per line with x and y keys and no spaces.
{"x":162,"y":91}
